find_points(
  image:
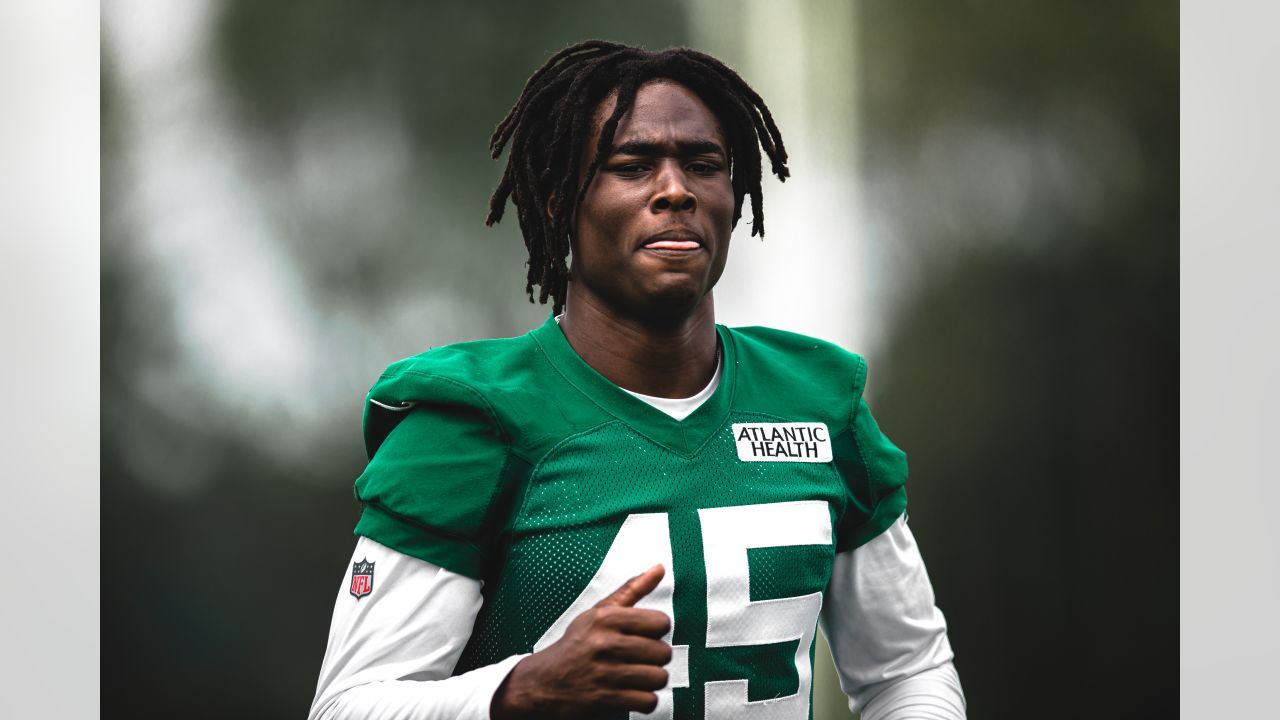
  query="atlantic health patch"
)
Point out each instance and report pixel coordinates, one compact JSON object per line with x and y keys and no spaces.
{"x":783,"y":442}
{"x":361,"y":578}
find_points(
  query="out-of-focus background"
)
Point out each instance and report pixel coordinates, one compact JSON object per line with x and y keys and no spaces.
{"x":984,"y":204}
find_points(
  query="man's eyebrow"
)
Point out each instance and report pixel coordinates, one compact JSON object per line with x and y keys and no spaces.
{"x":655,"y":147}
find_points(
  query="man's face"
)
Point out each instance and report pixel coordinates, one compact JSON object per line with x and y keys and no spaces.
{"x":652,"y":234}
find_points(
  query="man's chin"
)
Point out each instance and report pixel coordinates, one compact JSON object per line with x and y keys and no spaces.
{"x":673,"y":303}
{"x":662,"y":301}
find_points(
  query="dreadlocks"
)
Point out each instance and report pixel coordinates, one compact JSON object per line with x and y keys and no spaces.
{"x":552,"y":120}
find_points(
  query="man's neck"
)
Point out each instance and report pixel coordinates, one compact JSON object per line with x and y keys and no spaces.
{"x":671,"y":359}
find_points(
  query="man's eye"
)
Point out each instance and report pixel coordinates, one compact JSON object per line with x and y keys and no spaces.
{"x":704,"y":168}
{"x":631,"y":168}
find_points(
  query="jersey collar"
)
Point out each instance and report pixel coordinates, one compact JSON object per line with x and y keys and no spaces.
{"x":684,"y":437}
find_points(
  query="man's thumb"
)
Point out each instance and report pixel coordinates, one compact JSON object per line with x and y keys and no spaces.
{"x":634,"y":589}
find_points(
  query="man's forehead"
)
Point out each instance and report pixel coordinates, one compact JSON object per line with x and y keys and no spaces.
{"x":660,"y":108}
{"x":696,"y":144}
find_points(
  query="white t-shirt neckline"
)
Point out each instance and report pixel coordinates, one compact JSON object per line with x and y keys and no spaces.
{"x":678,"y":408}
{"x":681,"y":408}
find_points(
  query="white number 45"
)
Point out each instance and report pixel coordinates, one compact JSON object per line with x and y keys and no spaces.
{"x":733,"y":620}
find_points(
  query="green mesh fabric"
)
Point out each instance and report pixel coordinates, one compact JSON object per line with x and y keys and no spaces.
{"x":518,"y":464}
{"x":581,"y":493}
{"x":779,"y":572}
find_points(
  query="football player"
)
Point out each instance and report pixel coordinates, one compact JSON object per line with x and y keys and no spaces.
{"x":631,"y":509}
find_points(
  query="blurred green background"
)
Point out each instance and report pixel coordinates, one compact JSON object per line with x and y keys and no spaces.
{"x":984,"y":204}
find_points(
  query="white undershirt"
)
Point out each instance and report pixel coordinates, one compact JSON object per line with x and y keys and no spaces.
{"x":678,"y":408}
{"x":391,"y":653}
{"x":681,"y":408}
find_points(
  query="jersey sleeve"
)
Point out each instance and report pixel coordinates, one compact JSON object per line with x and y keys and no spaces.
{"x":434,"y":484}
{"x":391,"y":650}
{"x":888,"y":638}
{"x":874,"y":471}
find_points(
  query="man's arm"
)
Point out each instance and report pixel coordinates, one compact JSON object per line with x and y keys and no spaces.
{"x":390,"y":653}
{"x":887,"y":637}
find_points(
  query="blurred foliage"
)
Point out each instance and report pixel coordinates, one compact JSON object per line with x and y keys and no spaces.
{"x":447,"y":71}
{"x":449,"y":63}
{"x":1033,"y":380}
{"x":1030,"y":369}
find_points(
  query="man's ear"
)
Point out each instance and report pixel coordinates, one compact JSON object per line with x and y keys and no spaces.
{"x":551,"y":200}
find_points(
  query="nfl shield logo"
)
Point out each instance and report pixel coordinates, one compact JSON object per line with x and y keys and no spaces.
{"x":361,"y":578}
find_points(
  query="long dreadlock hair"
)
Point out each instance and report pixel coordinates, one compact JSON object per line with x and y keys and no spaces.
{"x":552,"y":121}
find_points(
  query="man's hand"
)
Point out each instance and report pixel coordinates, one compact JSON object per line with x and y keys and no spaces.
{"x":610,"y":658}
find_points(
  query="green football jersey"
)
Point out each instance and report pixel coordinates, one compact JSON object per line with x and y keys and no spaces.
{"x":515,"y":463}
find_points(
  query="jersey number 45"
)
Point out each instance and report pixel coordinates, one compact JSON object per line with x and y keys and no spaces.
{"x":733,"y":619}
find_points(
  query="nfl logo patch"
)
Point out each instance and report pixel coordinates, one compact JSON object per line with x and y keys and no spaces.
{"x":361,"y":578}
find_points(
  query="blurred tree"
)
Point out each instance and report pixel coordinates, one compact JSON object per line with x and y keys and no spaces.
{"x":1028,"y":155}
{"x":446,"y":72}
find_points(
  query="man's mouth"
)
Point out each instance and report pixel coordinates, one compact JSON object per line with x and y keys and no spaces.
{"x":677,"y":240}
{"x":672,"y":245}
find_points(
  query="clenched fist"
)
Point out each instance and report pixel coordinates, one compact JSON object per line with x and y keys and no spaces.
{"x":611,"y":657}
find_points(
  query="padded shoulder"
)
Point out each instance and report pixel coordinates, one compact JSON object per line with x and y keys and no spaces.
{"x":441,"y":475}
{"x":794,"y":376}
{"x":472,"y":376}
{"x":484,"y":365}
{"x":510,"y":382}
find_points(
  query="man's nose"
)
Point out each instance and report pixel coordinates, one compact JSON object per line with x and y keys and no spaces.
{"x":673,"y":191}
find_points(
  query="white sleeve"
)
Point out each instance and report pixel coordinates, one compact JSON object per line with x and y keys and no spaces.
{"x":391,"y":651}
{"x":888,"y":639}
